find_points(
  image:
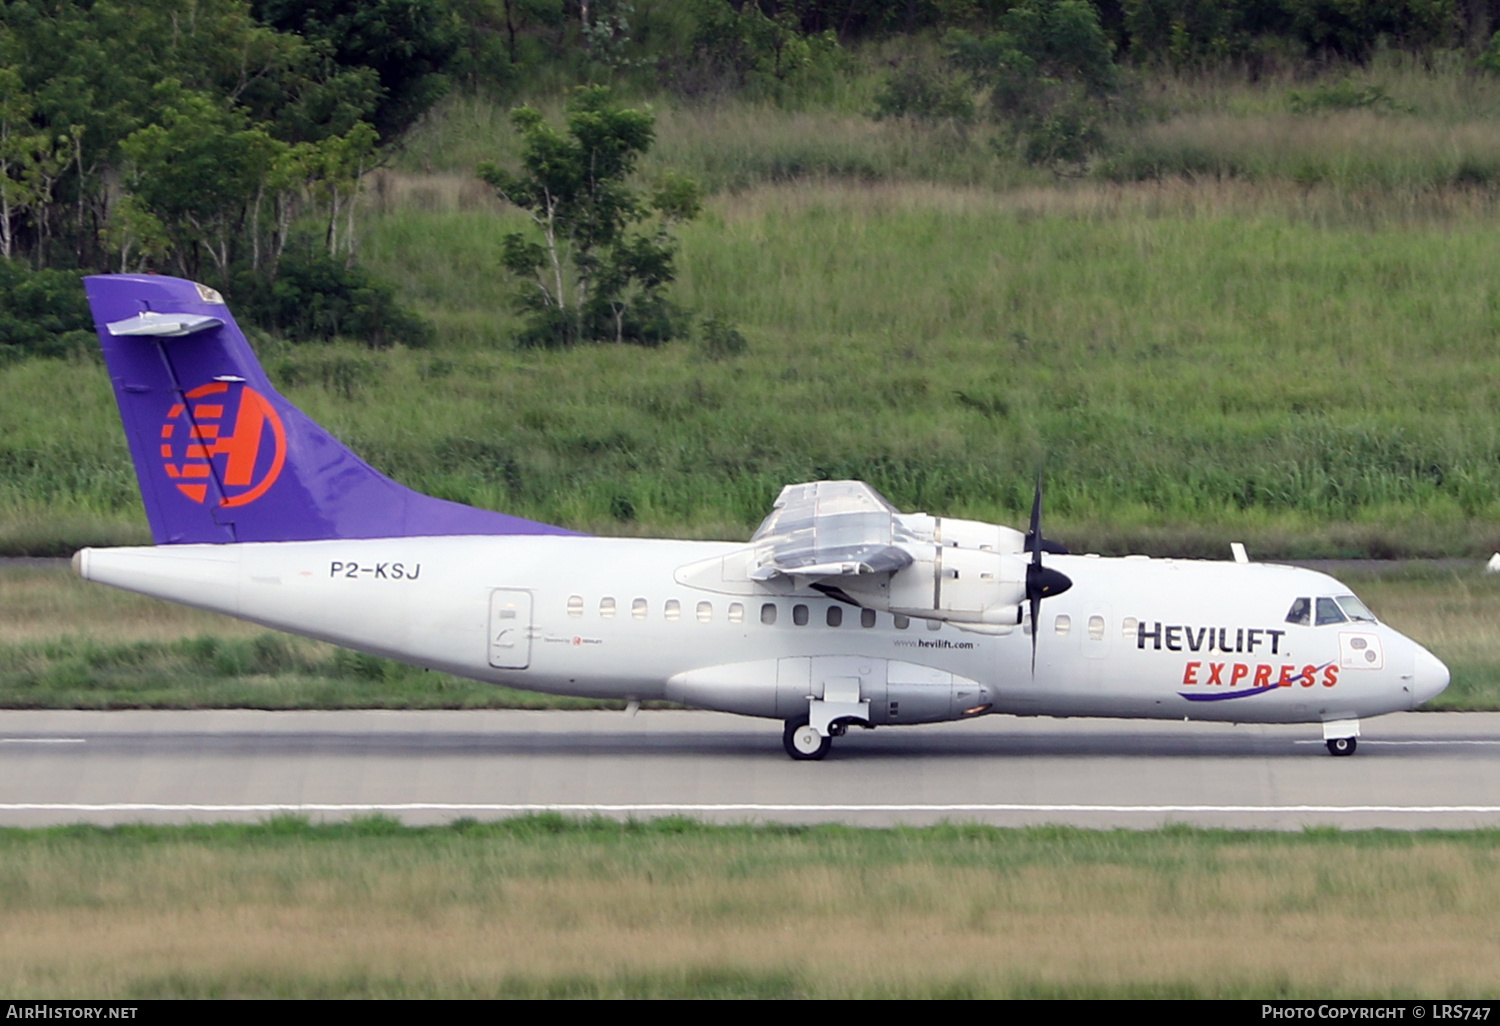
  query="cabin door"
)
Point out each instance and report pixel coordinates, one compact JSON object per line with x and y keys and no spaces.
{"x":510,"y":629}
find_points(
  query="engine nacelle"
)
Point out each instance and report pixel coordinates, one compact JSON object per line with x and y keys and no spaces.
{"x":959,"y":585}
{"x":843,"y":538}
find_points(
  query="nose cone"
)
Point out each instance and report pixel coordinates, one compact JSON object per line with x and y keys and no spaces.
{"x":1429,"y":677}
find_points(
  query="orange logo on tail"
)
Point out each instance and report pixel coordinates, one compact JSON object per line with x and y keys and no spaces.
{"x":191,"y":439}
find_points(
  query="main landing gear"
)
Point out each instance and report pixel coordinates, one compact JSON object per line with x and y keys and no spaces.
{"x":810,"y":735}
{"x":803,"y":742}
{"x":1342,"y":745}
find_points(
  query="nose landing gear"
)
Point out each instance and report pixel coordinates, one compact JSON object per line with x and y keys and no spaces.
{"x":1341,"y":736}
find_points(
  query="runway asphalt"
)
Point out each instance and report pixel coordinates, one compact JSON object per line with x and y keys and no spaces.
{"x":1412,"y":771}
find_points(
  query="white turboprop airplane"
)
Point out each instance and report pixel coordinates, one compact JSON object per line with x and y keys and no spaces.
{"x":839,"y":612}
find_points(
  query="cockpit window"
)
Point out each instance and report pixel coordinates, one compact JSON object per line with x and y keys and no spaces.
{"x":1355,"y":609}
{"x":1300,"y":612}
{"x":1329,"y":612}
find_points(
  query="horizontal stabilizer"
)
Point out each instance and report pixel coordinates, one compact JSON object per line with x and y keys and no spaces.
{"x":149,"y":324}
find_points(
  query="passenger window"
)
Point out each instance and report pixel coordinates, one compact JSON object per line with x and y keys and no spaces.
{"x":768,"y":613}
{"x":1300,"y":611}
{"x":672,"y":610}
{"x":1127,"y":627}
{"x":736,"y":613}
{"x":1062,"y":624}
{"x":835,"y":616}
{"x":705,"y":612}
{"x":575,"y":606}
{"x":638,"y":609}
{"x":606,"y":609}
{"x":867,"y":618}
{"x":902,"y":622}
{"x":1096,"y":628}
{"x":1329,"y":612}
{"x":799,"y":615}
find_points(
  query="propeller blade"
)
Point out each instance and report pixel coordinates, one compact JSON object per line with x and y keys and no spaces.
{"x":1052,"y":548}
{"x":1033,"y":536}
{"x":1041,"y":581}
{"x":1036,"y":608}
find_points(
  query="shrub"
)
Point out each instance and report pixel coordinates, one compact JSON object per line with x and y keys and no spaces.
{"x":921,"y":90}
{"x":317,"y":298}
{"x":721,"y":339}
{"x":42,"y":313}
{"x":1344,"y":95}
{"x":1051,"y":77}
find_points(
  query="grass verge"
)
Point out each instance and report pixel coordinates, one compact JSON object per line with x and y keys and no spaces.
{"x":545,"y":906}
{"x":69,"y":644}
{"x":267,"y":671}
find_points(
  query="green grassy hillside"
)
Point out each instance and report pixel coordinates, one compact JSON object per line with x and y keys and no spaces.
{"x":1236,"y":349}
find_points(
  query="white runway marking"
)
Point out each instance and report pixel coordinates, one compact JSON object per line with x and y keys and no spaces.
{"x":43,"y":740}
{"x":723,"y":807}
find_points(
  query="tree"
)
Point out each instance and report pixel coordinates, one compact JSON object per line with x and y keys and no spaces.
{"x":739,"y":46}
{"x":197,"y":173}
{"x":79,"y":79}
{"x":338,"y":166}
{"x":606,"y":252}
{"x":407,"y":44}
{"x":1051,"y":75}
{"x":924,"y":91}
{"x":19,"y":150}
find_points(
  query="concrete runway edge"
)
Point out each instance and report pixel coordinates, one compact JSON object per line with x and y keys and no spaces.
{"x":1412,"y":771}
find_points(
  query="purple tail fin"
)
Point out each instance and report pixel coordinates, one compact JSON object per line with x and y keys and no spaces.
{"x":221,"y":456}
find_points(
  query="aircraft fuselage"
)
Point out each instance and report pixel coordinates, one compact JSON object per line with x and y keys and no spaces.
{"x":640,"y":619}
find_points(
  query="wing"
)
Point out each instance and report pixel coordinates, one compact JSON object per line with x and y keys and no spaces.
{"x":829,"y":529}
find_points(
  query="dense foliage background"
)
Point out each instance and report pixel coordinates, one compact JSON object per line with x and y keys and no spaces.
{"x":1222,"y":267}
{"x":206,"y":136}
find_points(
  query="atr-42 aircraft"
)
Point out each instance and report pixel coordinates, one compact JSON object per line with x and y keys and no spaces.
{"x":841,"y":611}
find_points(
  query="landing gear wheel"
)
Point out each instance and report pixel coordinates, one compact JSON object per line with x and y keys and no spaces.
{"x":804,"y":743}
{"x":1342,"y":745}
